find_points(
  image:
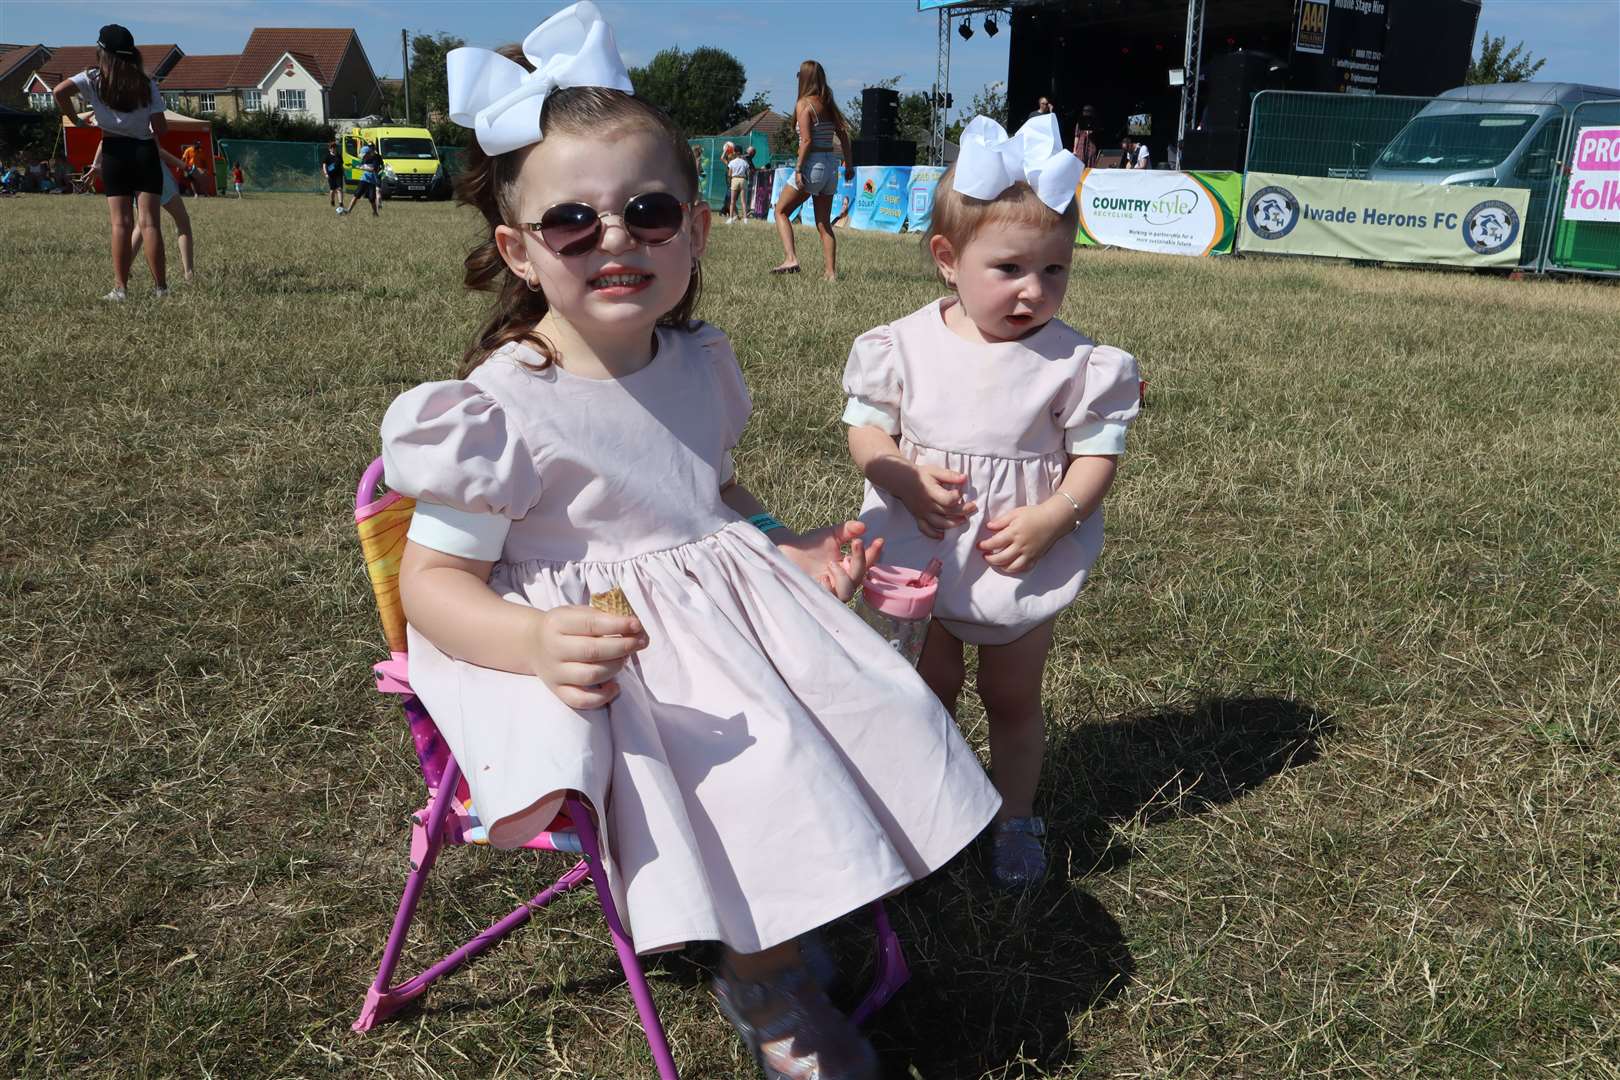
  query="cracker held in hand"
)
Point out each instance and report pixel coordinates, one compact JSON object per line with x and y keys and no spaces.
{"x":614,"y":602}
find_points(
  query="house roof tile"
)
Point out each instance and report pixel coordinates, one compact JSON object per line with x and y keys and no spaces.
{"x":325,"y":47}
{"x":201,"y":73}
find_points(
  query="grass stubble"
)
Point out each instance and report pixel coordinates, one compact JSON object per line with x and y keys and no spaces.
{"x":1333,"y":780}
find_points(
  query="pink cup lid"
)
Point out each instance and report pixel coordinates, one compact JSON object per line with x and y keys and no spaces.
{"x":901,"y":592}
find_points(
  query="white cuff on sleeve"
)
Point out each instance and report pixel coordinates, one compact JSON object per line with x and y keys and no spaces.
{"x":860,"y":413}
{"x":1096,"y":437}
{"x":459,"y":532}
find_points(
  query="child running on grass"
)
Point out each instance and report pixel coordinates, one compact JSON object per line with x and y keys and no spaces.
{"x":236,"y":178}
{"x":1010,"y":426}
{"x":773,"y":764}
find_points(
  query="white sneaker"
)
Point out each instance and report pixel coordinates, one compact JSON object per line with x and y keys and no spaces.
{"x":159,"y":292}
{"x":117,"y":295}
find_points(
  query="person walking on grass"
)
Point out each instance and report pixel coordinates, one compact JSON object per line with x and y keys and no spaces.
{"x":820,"y":125}
{"x":236,"y":178}
{"x":989,"y":432}
{"x":332,"y":170}
{"x":172,"y":203}
{"x":737,"y":170}
{"x":128,"y":107}
{"x":371,"y":164}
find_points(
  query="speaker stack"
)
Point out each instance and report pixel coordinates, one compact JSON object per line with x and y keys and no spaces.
{"x":880,"y":142}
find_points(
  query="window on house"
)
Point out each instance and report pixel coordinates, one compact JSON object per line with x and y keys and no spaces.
{"x":290,"y":100}
{"x":250,"y":101}
{"x":171,"y":101}
{"x":39,"y":101}
{"x":205,"y":102}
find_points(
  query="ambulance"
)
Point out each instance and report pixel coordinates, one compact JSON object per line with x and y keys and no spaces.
{"x":411,"y":164}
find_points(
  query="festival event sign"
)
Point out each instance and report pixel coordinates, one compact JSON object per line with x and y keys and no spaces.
{"x":920,"y":211}
{"x":882,"y":193}
{"x":1594,"y":178}
{"x":1385,"y":222}
{"x":1173,"y":213}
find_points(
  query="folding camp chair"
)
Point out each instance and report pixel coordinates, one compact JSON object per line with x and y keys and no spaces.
{"x":449,"y":817}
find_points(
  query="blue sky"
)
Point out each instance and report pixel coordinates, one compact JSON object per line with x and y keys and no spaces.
{"x":859,"y":41}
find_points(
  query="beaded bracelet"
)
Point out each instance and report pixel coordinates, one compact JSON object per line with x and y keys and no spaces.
{"x":1076,"y":506}
{"x":765,"y":523}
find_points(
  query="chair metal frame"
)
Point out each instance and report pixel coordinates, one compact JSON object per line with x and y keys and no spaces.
{"x":448,"y":819}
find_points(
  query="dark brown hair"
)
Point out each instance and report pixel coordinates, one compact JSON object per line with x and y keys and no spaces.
{"x":121,"y":80}
{"x":488,"y":184}
{"x":958,"y":218}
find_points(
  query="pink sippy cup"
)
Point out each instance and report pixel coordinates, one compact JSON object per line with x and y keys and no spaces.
{"x":897,"y":601}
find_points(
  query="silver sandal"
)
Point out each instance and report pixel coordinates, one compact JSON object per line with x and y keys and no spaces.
{"x":806,"y":1038}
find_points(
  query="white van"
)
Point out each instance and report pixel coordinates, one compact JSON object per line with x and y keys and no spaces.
{"x":1496,"y":135}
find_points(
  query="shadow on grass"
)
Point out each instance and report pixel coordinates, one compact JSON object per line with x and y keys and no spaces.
{"x":1165,"y":764}
{"x":998,"y":982}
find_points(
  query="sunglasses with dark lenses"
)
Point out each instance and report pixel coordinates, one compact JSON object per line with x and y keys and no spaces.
{"x":574,"y":228}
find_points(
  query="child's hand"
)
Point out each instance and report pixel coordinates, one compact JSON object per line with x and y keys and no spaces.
{"x":1020,"y":538}
{"x":577,"y":652}
{"x":821,"y":555}
{"x":935,"y":500}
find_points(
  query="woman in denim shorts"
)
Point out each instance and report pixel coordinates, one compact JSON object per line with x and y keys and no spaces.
{"x":820,"y":126}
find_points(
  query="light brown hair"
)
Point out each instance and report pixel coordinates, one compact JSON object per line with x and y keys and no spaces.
{"x":121,"y":80}
{"x":958,"y":218}
{"x":489,"y":185}
{"x":813,"y":85}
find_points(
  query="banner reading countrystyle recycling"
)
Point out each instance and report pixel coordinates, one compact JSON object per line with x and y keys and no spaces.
{"x":1175,"y":213}
{"x":1370,"y":219}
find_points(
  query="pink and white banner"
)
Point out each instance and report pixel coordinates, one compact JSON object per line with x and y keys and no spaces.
{"x":1594,"y":177}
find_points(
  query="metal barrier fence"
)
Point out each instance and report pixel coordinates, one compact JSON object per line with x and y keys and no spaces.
{"x":1348,"y":136}
{"x":277,"y":166}
{"x":1583,"y":247}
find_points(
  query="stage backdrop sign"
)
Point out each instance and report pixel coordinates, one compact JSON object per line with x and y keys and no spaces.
{"x":1370,"y":219}
{"x":1594,"y":178}
{"x":1173,"y":213}
{"x":920,"y":207}
{"x":881,"y":195}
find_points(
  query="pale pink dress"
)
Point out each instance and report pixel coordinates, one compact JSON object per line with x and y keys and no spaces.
{"x":1008,"y":415}
{"x":770,"y":763}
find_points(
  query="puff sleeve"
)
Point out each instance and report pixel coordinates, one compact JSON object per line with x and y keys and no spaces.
{"x":449,"y":446}
{"x":1102,"y":401}
{"x":872,"y":382}
{"x":733,"y":406}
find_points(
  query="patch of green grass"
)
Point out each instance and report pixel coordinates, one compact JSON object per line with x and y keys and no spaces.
{"x":1332,"y":782}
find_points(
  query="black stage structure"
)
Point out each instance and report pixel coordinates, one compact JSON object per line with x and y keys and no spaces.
{"x":1123,"y":58}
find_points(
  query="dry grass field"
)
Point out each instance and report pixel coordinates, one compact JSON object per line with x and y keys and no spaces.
{"x":1333,"y":784}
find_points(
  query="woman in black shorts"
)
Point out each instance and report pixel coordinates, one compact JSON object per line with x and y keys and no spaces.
{"x":129,"y":110}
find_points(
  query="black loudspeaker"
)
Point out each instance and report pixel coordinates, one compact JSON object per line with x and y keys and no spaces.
{"x":867,"y":151}
{"x":1428,"y":46}
{"x":880,"y":113}
{"x":1232,"y":80}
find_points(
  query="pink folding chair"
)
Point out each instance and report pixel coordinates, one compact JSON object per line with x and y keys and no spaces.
{"x":449,"y":818}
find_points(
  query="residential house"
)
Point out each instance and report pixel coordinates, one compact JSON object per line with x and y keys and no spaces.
{"x":17,"y":63}
{"x":66,"y":61}
{"x":320,"y":73}
{"x":201,"y":85}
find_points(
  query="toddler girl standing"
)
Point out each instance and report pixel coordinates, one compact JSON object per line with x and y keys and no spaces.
{"x":762,"y":763}
{"x":1010,"y":426}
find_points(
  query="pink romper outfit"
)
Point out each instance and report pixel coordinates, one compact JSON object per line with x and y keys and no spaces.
{"x":770,"y":764}
{"x":1008,"y":415}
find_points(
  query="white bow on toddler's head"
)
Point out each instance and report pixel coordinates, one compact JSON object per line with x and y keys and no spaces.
{"x":501,"y":101}
{"x":990,"y":161}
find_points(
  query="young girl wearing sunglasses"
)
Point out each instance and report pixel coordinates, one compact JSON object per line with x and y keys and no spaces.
{"x":772,"y":764}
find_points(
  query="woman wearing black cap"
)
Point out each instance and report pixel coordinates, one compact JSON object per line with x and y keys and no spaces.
{"x":129,"y":110}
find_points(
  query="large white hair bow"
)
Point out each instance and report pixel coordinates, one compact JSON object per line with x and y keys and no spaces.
{"x":990,"y":161}
{"x":501,"y":101}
